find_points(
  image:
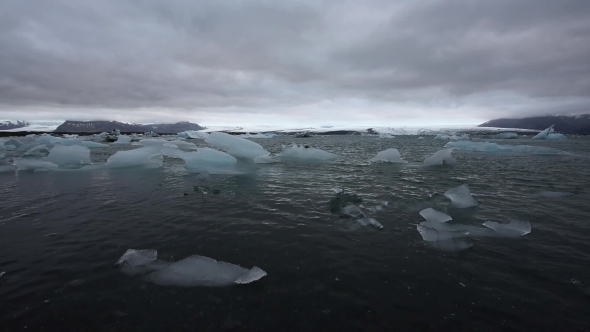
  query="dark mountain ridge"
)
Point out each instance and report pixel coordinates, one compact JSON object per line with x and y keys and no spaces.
{"x":107,"y":126}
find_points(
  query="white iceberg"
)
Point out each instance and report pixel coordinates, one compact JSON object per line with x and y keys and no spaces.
{"x":461,"y":197}
{"x":369,"y":221}
{"x":148,"y":157}
{"x":552,"y":194}
{"x":123,"y":139}
{"x":303,"y":153}
{"x":202,"y":160}
{"x":505,"y":135}
{"x":496,"y":148}
{"x":28,"y":164}
{"x":441,"y":157}
{"x":189,"y":272}
{"x":388,"y":156}
{"x":431,"y":234}
{"x":94,"y":145}
{"x":236,"y":146}
{"x":259,"y":135}
{"x":431,"y":214}
{"x":69,"y":156}
{"x":513,"y":228}
{"x":549,"y":134}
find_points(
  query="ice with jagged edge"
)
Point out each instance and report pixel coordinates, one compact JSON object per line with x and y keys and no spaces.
{"x":433,"y":215}
{"x":236,"y":146}
{"x":549,"y":134}
{"x":302,"y":153}
{"x":148,"y":157}
{"x":69,"y":156}
{"x":388,"y":156}
{"x":123,"y":139}
{"x":369,"y":221}
{"x":203,"y":160}
{"x":496,"y":148}
{"x":552,"y":194}
{"x":513,"y":228}
{"x":461,"y":197}
{"x":190,"y":272}
{"x":441,"y":157}
{"x":505,"y":136}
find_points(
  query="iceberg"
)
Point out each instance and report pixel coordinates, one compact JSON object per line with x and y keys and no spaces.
{"x":505,"y":135}
{"x":461,"y":197}
{"x":148,"y":157}
{"x":433,"y":215}
{"x":202,"y":160}
{"x":370,"y":221}
{"x":94,"y":145}
{"x":431,"y":234}
{"x":189,"y":272}
{"x":549,"y":134}
{"x":513,"y":228}
{"x":442,"y":137}
{"x":495,"y":148}
{"x":27,"y":164}
{"x":38,"y":151}
{"x":305,"y":153}
{"x":556,"y":136}
{"x":193,"y":134}
{"x":236,"y":146}
{"x":552,"y":194}
{"x":69,"y":156}
{"x":388,"y":156}
{"x":123,"y":139}
{"x":455,"y":137}
{"x":441,"y":157}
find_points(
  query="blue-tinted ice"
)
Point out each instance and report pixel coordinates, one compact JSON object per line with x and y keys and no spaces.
{"x":461,"y":197}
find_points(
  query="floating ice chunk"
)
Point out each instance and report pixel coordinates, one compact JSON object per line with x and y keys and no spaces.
{"x":431,"y":234}
{"x":420,"y":137}
{"x":123,"y":139}
{"x":204,"y":271}
{"x":545,"y":133}
{"x":461,"y":197}
{"x":202,"y":160}
{"x":431,"y":214}
{"x":513,"y":228}
{"x":442,"y":137}
{"x":69,"y":156}
{"x":38,"y":151}
{"x":353,"y":211}
{"x":70,"y":135}
{"x":369,"y":221}
{"x":505,"y":135}
{"x":386,"y":135}
{"x":236,"y":146}
{"x":552,"y":194}
{"x":265,"y":160}
{"x":148,"y":157}
{"x":193,"y":134}
{"x":459,"y":137}
{"x":94,"y":145}
{"x":303,"y":153}
{"x":441,"y":157}
{"x":337,"y":190}
{"x":388,"y":156}
{"x":495,"y":148}
{"x":136,"y":257}
{"x":27,"y":164}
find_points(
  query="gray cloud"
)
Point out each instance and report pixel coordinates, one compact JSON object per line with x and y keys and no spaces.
{"x":259,"y":60}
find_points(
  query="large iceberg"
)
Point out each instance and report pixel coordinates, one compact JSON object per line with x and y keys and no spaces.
{"x":69,"y":156}
{"x":190,"y":272}
{"x":202,"y":160}
{"x":549,"y":134}
{"x":236,"y":146}
{"x":305,"y":153}
{"x":148,"y":157}
{"x":441,"y":157}
{"x":2,"y":155}
{"x":461,"y":197}
{"x":496,"y":148}
{"x":388,"y":156}
{"x":505,"y":135}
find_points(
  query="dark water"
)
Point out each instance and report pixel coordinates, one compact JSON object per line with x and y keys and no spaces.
{"x":62,"y":232}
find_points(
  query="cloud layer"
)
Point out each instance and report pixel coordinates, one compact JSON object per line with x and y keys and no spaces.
{"x":307,"y":62}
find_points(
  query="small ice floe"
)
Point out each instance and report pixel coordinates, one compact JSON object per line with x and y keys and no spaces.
{"x":148,"y":157}
{"x":433,"y":215}
{"x":337,"y":190}
{"x":461,"y":197}
{"x":388,"y":156}
{"x":370,"y":221}
{"x":552,"y":194}
{"x":513,"y":228}
{"x":238,"y":147}
{"x":305,"y":153}
{"x":190,"y":272}
{"x":441,"y":157}
{"x":444,"y":240}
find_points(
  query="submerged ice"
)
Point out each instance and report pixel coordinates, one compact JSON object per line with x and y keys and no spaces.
{"x":190,"y":272}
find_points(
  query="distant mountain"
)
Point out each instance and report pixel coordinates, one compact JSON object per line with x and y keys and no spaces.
{"x":579,"y":124}
{"x":107,"y":126}
{"x":12,"y":124}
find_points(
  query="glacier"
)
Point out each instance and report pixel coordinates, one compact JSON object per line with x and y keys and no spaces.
{"x":388,"y":156}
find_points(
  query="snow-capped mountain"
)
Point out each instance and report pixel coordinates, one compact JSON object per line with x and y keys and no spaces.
{"x":576,"y":124}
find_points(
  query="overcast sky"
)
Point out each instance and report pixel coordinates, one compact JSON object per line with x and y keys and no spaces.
{"x":304,"y":62}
